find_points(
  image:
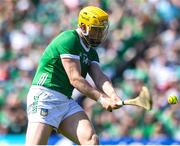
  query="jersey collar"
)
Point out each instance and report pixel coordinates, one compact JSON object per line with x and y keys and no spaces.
{"x":81,"y":41}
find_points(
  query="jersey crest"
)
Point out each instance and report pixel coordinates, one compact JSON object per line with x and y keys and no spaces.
{"x":84,"y":58}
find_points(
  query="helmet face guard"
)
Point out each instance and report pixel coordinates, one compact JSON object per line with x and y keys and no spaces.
{"x":95,"y":35}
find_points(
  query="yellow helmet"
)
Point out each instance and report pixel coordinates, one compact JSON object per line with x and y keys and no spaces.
{"x":96,"y":24}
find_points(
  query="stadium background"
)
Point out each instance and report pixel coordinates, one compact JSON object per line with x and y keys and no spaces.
{"x":143,"y":47}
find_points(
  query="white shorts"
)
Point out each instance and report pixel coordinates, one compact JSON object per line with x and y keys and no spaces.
{"x":48,"y":106}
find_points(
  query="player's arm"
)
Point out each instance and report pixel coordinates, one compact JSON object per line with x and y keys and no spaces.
{"x":101,"y":81}
{"x":73,"y":70}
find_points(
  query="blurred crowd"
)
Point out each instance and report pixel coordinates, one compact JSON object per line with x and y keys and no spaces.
{"x":142,"y":48}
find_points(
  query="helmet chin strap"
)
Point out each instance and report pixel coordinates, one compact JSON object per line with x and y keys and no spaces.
{"x":85,"y":33}
{"x":83,"y":36}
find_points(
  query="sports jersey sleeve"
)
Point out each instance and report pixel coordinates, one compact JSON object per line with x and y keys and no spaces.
{"x":66,"y":46}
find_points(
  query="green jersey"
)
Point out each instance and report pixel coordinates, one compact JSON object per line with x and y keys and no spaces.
{"x":51,"y":73}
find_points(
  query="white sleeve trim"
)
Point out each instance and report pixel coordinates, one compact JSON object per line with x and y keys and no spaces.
{"x":70,"y":56}
{"x":95,"y":62}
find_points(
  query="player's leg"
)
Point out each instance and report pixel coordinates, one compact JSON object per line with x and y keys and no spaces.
{"x":38,"y":133}
{"x":79,"y":129}
{"x":40,"y":116}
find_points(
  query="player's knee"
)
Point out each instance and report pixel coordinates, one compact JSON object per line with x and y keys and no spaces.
{"x":92,"y":140}
{"x":95,"y":140}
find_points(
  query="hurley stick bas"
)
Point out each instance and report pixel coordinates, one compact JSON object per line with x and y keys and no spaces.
{"x":143,"y":100}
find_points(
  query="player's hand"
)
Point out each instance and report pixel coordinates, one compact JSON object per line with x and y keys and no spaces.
{"x":110,"y":103}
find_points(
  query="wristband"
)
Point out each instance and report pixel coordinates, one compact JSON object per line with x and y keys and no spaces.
{"x":100,"y":99}
{"x":123,"y":103}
